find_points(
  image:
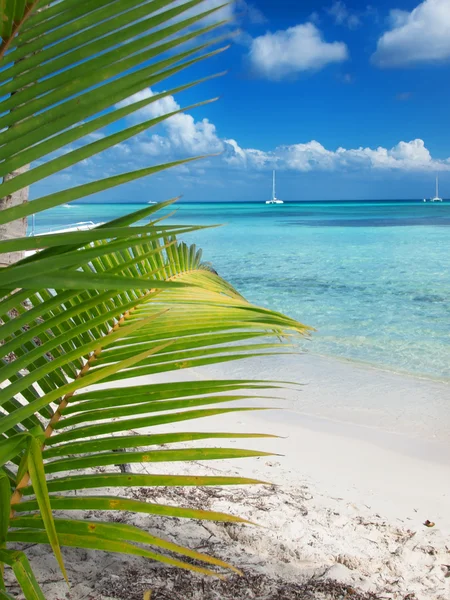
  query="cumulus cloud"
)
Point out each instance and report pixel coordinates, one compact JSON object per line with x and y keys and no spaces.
{"x":234,"y":155}
{"x":291,"y":51}
{"x":152,"y":110}
{"x":313,"y":156}
{"x":183,"y":134}
{"x":419,"y":36}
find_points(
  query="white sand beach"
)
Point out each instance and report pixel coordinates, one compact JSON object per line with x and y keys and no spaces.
{"x":364,"y":461}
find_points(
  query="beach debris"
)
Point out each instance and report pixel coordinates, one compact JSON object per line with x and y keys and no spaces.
{"x":131,"y":583}
{"x":446,"y":570}
{"x":429,"y":523}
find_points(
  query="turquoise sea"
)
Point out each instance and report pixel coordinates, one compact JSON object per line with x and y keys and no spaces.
{"x":372,"y":277}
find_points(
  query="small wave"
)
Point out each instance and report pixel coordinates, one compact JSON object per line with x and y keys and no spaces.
{"x":69,"y":206}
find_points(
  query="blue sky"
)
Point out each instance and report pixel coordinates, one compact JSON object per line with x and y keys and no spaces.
{"x":345,"y":99}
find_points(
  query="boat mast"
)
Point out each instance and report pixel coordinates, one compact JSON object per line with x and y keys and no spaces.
{"x":437,"y":186}
{"x":273,"y":186}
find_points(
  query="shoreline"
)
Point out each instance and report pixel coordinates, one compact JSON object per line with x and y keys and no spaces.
{"x":379,"y":367}
{"x":350,"y":393}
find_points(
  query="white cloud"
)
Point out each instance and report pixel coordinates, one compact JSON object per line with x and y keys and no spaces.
{"x":342,"y":16}
{"x":184,"y":135}
{"x":307,"y":157}
{"x":406,"y":156}
{"x":194,"y":137}
{"x":292,"y":51}
{"x":234,"y":155}
{"x":313,"y":156}
{"x":419,"y":36}
{"x":152,"y":110}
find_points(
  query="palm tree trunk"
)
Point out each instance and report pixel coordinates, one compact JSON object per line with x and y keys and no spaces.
{"x":15,"y":228}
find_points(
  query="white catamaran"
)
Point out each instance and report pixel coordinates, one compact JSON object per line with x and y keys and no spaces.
{"x":274,"y":200}
{"x":436,"y":198}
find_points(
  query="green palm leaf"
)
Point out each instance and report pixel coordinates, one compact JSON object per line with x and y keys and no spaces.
{"x":106,"y":305}
{"x":72,"y":63}
{"x":24,"y":574}
{"x":147,"y":332}
{"x":114,"y":503}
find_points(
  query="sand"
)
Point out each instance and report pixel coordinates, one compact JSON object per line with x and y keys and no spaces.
{"x":365,"y":462}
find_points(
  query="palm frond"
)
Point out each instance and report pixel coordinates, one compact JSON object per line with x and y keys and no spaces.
{"x":66,"y":68}
{"x":97,"y":337}
{"x":110,"y":304}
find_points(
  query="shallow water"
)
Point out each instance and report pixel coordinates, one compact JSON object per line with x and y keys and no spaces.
{"x":372,"y":278}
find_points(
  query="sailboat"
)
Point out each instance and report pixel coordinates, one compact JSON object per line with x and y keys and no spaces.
{"x":274,"y":200}
{"x":436,"y":198}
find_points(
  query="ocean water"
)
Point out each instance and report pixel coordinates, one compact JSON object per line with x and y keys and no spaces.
{"x":372,"y":278}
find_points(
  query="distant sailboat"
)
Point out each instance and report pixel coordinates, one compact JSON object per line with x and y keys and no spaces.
{"x":437,"y":197}
{"x":274,"y":200}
